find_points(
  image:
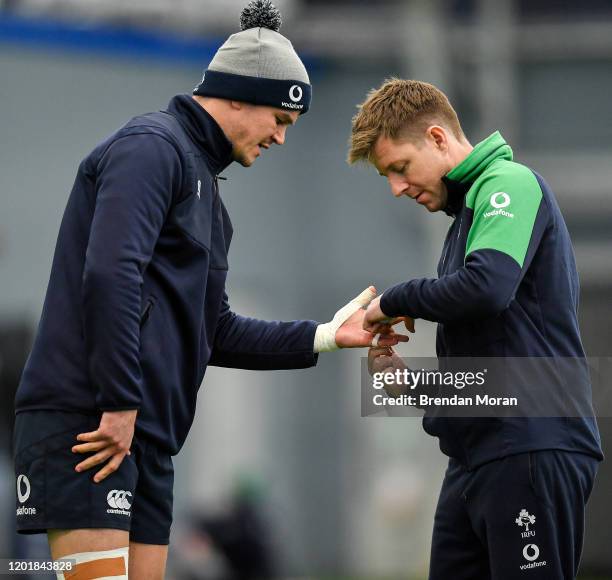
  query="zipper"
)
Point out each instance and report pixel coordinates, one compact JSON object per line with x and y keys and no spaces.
{"x":216,"y":184}
{"x":447,"y":244}
{"x":459,"y":228}
{"x":216,"y":180}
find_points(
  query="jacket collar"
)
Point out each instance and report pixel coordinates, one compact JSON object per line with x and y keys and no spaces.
{"x":204,"y":130}
{"x":459,"y":179}
{"x":456,"y":191}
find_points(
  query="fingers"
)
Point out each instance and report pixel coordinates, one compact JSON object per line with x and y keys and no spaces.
{"x":386,"y":327}
{"x":94,"y":460}
{"x":365,"y":297}
{"x":376,"y":327}
{"x":381,"y":359}
{"x":391,"y":339}
{"x":381,"y":363}
{"x":110,"y":467}
{"x":115,"y":461}
{"x":387,"y":339}
{"x":89,"y":447}
{"x":386,"y":336}
{"x":374,"y":354}
{"x":409,"y":323}
{"x":91,"y":436}
{"x":380,"y":351}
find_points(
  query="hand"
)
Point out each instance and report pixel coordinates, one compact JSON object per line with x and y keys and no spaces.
{"x":376,"y":321}
{"x":379,"y":359}
{"x":382,"y":360}
{"x":351,"y":333}
{"x":345,"y":330}
{"x":111,"y":442}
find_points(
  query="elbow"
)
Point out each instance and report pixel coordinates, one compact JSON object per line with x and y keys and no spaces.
{"x":491,"y":303}
{"x":491,"y":279}
{"x":497,"y":304}
{"x":98,"y":279}
{"x":111,"y":275}
{"x":98,"y":273}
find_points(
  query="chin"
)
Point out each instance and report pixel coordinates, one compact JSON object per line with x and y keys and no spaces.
{"x":433,"y":206}
{"x":244,"y":160}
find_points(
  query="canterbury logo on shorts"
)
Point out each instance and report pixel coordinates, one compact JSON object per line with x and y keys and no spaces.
{"x":117,"y":499}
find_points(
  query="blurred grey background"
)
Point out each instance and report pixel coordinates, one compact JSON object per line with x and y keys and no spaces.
{"x":324,"y":492}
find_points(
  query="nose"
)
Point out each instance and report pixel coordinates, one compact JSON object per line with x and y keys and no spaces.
{"x":398,"y":185}
{"x":279,"y":135}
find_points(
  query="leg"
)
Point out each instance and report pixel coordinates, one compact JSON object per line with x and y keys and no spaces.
{"x":529,"y":509}
{"x":81,"y":518}
{"x":98,"y":553}
{"x":52,"y":495}
{"x":147,"y":561}
{"x":152,"y":508}
{"x":456,"y":550}
{"x":515,"y":521}
{"x":65,"y":542}
{"x":565,"y":480}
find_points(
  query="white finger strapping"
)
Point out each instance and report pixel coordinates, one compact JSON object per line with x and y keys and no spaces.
{"x":325,"y":336}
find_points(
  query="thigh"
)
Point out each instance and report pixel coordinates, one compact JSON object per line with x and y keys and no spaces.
{"x":516,"y":521}
{"x":65,"y":542}
{"x":51,"y":495}
{"x":152,"y":506}
{"x":96,"y":553}
{"x":147,"y":561}
{"x":530,"y":511}
{"x":456,"y":550}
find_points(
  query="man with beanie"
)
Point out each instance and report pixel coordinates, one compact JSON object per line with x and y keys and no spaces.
{"x":136,"y":309}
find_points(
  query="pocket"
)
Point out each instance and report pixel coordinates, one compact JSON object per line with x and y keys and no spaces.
{"x":193,"y":216}
{"x":146,"y":313}
{"x":532,"y":458}
{"x":536,"y":461}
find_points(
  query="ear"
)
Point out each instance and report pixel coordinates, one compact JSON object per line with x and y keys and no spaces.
{"x":438,"y":136}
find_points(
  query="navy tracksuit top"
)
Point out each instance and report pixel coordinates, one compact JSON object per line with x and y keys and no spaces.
{"x":507,"y":286}
{"x":136,"y":306}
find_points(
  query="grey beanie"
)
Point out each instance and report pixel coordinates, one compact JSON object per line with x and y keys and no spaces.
{"x":258,"y":65}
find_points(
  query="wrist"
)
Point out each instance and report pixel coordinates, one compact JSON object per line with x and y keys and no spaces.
{"x":325,"y":337}
{"x":385,"y":305}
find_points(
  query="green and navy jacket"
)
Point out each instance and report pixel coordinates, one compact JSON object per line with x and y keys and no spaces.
{"x":507,"y":286}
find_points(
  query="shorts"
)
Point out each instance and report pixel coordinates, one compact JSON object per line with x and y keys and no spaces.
{"x":52,"y":495}
{"x":517,"y":517}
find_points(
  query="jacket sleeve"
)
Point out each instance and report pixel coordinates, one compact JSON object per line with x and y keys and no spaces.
{"x":248,"y":343}
{"x":509,"y":220}
{"x":136,"y":178}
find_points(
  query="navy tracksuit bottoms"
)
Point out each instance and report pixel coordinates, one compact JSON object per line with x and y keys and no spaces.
{"x":514,"y":518}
